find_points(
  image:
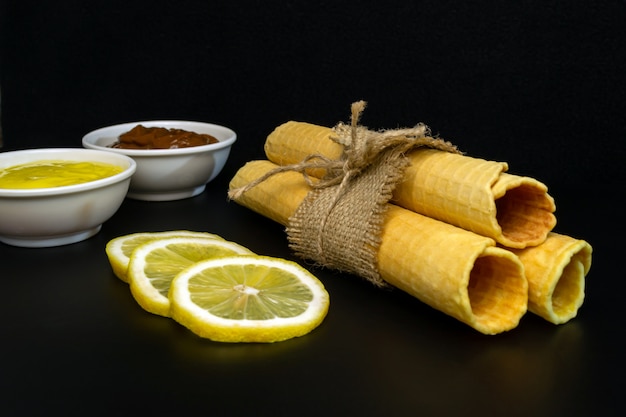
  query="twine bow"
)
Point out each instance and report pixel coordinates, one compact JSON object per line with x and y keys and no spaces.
{"x":339,"y":223}
{"x":361,"y":147}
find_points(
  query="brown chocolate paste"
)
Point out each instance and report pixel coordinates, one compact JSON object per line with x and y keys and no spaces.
{"x":141,"y":137}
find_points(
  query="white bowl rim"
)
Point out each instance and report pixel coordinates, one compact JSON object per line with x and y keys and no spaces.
{"x":67,"y":189}
{"x":89,"y":139}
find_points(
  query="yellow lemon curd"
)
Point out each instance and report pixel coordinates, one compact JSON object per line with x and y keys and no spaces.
{"x":49,"y":174}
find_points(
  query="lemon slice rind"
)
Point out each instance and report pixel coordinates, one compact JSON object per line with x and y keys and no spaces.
{"x":154,"y":264}
{"x":119,"y":249}
{"x":201,"y":321}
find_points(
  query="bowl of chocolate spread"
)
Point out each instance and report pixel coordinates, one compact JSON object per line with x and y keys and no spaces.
{"x":175,"y":159}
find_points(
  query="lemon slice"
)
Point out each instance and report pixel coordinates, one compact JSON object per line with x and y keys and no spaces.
{"x":153,"y":266}
{"x":118,"y":250}
{"x":248,"y":299}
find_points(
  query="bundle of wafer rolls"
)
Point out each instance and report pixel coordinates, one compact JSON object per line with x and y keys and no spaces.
{"x":460,"y":233}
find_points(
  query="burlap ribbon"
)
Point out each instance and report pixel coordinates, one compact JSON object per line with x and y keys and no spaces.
{"x":339,"y":223}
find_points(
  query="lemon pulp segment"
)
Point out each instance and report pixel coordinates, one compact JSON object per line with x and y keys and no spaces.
{"x":248,"y":299}
{"x":162,"y":264}
{"x":154,"y":264}
{"x":249,"y":292}
{"x":119,"y":249}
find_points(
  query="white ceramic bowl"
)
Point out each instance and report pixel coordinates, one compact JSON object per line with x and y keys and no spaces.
{"x":44,"y":217}
{"x":169,"y":174}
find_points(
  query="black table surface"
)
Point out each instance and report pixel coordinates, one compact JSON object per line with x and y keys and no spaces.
{"x":538,"y":84}
{"x":74,"y":339}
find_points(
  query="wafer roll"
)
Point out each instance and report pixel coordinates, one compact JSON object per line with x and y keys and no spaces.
{"x":556,"y":272}
{"x":453,"y":270}
{"x":470,"y":193}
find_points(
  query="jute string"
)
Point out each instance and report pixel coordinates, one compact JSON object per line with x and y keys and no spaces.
{"x":339,"y":223}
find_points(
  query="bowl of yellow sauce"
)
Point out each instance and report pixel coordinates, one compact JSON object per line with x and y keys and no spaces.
{"x":58,"y":196}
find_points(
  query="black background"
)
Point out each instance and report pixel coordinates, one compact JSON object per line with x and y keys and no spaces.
{"x":538,"y":84}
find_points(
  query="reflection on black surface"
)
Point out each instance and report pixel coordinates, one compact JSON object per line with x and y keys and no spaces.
{"x":534,"y":373}
{"x":197,"y":351}
{"x":509,"y":375}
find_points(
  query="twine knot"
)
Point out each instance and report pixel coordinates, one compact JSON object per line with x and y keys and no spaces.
{"x":339,"y":223}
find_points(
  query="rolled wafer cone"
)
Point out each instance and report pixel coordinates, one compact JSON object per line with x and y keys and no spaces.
{"x":471,"y":193}
{"x":556,"y":272}
{"x":453,"y":270}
